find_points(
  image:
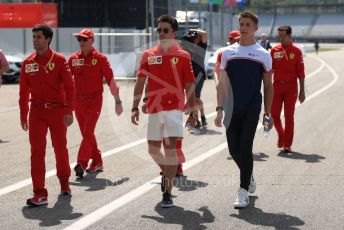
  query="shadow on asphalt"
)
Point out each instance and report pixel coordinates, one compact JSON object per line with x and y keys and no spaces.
{"x":62,"y":210}
{"x":258,"y":217}
{"x":186,"y":218}
{"x":256,"y":157}
{"x":308,"y":158}
{"x":183,"y":184}
{"x":205,"y":131}
{"x":93,"y":183}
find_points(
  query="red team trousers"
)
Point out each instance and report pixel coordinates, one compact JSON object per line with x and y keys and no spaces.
{"x":40,"y":120}
{"x":285,"y":92}
{"x":87,"y":112}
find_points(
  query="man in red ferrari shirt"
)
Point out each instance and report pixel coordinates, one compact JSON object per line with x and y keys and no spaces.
{"x":89,"y":67}
{"x":288,"y":67}
{"x":168,"y":70}
{"x":45,"y":75}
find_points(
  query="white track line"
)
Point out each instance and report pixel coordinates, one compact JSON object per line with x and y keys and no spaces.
{"x":9,"y":109}
{"x":102,"y":212}
{"x":26,"y":182}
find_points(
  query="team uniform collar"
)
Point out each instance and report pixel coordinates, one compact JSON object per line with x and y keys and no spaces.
{"x":47,"y":54}
{"x":175,"y":46}
{"x":92,"y":52}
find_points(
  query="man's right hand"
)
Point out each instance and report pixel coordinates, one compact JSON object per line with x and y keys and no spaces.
{"x":218,"y":119}
{"x":24,"y":125}
{"x":135,"y":117}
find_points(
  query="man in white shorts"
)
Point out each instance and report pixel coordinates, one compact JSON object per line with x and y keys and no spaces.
{"x":168,"y":71}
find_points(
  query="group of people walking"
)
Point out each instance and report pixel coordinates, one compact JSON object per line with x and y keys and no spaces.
{"x":169,"y":81}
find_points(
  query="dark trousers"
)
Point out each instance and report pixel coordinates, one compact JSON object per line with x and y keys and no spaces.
{"x":240,"y":135}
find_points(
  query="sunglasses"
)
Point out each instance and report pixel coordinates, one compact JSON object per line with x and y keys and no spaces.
{"x":82,"y":39}
{"x":165,"y":30}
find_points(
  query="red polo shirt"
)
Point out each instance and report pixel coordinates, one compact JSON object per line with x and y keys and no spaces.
{"x":48,"y":79}
{"x":287,"y":63}
{"x":167,"y":73}
{"x":89,"y":72}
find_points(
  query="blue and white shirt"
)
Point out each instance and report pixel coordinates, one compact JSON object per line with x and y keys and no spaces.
{"x":245,"y":66}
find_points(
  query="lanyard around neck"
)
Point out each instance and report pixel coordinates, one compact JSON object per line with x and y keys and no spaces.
{"x":46,"y":66}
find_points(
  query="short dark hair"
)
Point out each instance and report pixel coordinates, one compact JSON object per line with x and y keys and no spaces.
{"x":285,"y":28}
{"x":250,"y":15}
{"x":170,"y":20}
{"x":46,"y":30}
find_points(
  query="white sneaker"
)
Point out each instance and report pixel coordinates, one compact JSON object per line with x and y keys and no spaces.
{"x":242,"y":199}
{"x":253,"y":185}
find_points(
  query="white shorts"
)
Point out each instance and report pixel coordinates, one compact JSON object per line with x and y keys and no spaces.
{"x":165,"y":124}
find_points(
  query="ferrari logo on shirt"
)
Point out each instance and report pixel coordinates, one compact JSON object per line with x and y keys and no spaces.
{"x":51,"y":66}
{"x":29,"y":68}
{"x":77,"y":62}
{"x":94,"y":61}
{"x":175,"y":60}
{"x":292,"y":56}
{"x":153,"y":60}
{"x":278,"y":55}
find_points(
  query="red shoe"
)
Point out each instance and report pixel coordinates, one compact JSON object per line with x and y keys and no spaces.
{"x":37,"y":200}
{"x":65,"y":189}
{"x":179,"y":171}
{"x":95,"y":168}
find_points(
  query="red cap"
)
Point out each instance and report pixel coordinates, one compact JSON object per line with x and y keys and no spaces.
{"x":85,"y":33}
{"x":235,"y":34}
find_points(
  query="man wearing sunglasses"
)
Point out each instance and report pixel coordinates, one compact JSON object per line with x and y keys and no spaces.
{"x":169,"y":75}
{"x":288,"y":68}
{"x":45,"y":75}
{"x":89,"y":68}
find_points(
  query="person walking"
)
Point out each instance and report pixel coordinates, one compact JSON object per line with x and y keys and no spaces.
{"x":89,"y":68}
{"x":244,"y":66}
{"x":46,"y":76}
{"x":288,"y":69}
{"x":168,"y":70}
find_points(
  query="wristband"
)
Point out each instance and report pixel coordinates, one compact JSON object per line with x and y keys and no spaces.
{"x":118,"y":102}
{"x":135,"y":110}
{"x":219,"y":108}
{"x":145,"y":99}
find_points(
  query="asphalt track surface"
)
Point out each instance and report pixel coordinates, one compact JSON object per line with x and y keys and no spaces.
{"x":299,"y":190}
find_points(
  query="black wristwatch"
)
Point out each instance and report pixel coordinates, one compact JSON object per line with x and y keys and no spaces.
{"x":219,"y":108}
{"x":135,"y":110}
{"x":118,"y":102}
{"x":145,"y":99}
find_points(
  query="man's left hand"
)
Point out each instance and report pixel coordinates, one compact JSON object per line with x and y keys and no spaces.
{"x":119,"y":109}
{"x":302,"y":97}
{"x":68,"y":119}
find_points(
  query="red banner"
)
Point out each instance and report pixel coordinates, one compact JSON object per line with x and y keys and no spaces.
{"x":26,"y":15}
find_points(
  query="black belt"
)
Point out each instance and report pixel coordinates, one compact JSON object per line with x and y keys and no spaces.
{"x":48,"y":105}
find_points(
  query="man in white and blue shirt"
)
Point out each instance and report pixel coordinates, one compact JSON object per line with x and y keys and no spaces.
{"x":243,"y":68}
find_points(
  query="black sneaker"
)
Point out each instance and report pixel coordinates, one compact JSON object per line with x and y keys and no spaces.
{"x":79,"y":171}
{"x":167,"y":201}
{"x":204,"y":121}
{"x":162,"y":182}
{"x":198,"y":125}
